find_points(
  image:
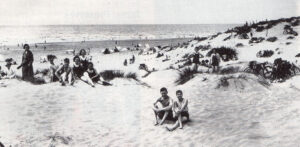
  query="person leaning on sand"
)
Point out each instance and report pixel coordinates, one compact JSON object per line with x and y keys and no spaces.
{"x":165,"y":112}
{"x":64,"y":73}
{"x":27,"y":60}
{"x":180,"y":111}
{"x":8,"y":72}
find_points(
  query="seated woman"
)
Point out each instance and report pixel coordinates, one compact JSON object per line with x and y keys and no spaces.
{"x":53,"y":68}
{"x":8,"y":72}
{"x":65,"y":73}
{"x":84,"y":59}
{"x":78,"y":68}
{"x":180,"y":111}
{"x":91,"y":76}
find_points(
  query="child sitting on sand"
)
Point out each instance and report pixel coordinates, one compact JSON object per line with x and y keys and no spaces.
{"x":65,"y":73}
{"x":8,"y":72}
{"x":180,"y":111}
{"x":165,"y":112}
{"x":53,"y":68}
{"x":78,"y":69}
{"x":84,"y":59}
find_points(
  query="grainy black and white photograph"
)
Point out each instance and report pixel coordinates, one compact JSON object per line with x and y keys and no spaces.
{"x":152,"y":73}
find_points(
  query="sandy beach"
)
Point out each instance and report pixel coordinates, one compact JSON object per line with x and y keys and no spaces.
{"x":244,"y":113}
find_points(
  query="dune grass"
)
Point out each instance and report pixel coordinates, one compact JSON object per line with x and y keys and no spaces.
{"x":185,"y":75}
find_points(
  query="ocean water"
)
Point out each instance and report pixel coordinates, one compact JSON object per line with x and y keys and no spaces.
{"x":12,"y":35}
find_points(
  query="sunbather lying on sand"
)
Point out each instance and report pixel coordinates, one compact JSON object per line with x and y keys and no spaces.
{"x":180,"y":111}
{"x":92,"y":77}
{"x":165,"y":112}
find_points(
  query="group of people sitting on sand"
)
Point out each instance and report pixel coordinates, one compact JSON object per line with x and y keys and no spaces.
{"x":82,"y":69}
{"x":165,"y":108}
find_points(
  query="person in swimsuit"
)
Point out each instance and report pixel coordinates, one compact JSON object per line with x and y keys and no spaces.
{"x":78,"y":68}
{"x":196,"y":61}
{"x":65,"y":73}
{"x":165,"y":112}
{"x":84,"y":59}
{"x":91,"y":76}
{"x":215,"y":61}
{"x":53,"y":68}
{"x":180,"y":111}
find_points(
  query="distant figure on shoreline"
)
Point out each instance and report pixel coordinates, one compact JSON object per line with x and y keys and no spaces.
{"x":27,"y":60}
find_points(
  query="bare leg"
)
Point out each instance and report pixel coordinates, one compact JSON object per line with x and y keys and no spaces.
{"x":156,"y":116}
{"x":173,"y":127}
{"x":180,"y":121}
{"x":164,"y":118}
{"x":86,"y":78}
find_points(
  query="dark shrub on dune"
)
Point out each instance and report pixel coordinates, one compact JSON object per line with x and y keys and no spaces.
{"x":256,"y":40}
{"x":259,"y":28}
{"x":288,"y":43}
{"x":227,"y":52}
{"x":185,"y":75}
{"x":112,"y":74}
{"x":295,"y":23}
{"x":298,"y":55}
{"x":215,"y":36}
{"x":282,"y":69}
{"x":106,"y":51}
{"x":265,"y":53}
{"x":200,"y":38}
{"x":290,"y":37}
{"x":239,"y":45}
{"x":243,"y":36}
{"x":272,"y":39}
{"x":203,"y":47}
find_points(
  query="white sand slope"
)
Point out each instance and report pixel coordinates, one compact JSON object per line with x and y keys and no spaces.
{"x":243,"y":111}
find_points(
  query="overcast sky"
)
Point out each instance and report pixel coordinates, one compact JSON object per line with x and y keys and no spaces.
{"x":42,"y":12}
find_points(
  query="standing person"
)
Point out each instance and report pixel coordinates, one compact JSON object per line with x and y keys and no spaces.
{"x":27,"y":60}
{"x":180,"y":110}
{"x":65,"y":73}
{"x":215,"y":61}
{"x":196,"y":61}
{"x":165,"y":112}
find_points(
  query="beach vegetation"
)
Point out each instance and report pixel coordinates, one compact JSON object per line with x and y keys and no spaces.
{"x":264,"y":53}
{"x":185,"y":75}
{"x":226,"y":53}
{"x":272,"y":39}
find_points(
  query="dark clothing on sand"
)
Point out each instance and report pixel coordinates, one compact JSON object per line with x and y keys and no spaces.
{"x":27,"y":69}
{"x":196,"y":58}
{"x":93,"y":73}
{"x":169,"y":116}
{"x":78,"y":70}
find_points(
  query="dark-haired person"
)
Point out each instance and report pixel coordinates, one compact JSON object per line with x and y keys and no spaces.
{"x":52,"y":68}
{"x":64,"y":73}
{"x":78,"y":68}
{"x":180,"y":110}
{"x":84,"y":59}
{"x":91,"y":75}
{"x":8,"y":72}
{"x":196,"y":60}
{"x":165,"y":111}
{"x":27,"y":60}
{"x":215,"y":61}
